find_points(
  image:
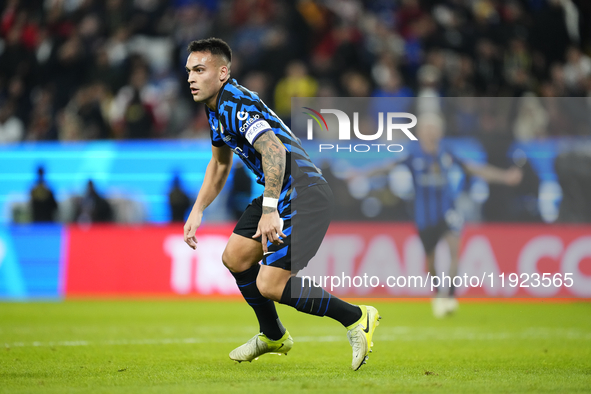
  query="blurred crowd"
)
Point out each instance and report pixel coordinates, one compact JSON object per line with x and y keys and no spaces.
{"x":114,"y":69}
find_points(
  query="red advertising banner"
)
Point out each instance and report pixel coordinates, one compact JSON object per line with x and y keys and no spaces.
{"x":356,"y":259}
{"x":147,"y":260}
{"x":494,"y":261}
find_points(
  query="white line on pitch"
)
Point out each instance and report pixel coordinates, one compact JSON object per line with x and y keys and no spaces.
{"x":404,"y":334}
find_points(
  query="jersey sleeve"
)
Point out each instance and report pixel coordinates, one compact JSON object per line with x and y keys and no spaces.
{"x":216,"y":140}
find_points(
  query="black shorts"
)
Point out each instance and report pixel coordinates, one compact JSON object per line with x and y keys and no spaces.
{"x":432,"y":234}
{"x":305,"y":223}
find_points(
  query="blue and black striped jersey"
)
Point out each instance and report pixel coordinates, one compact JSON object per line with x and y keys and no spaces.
{"x":434,"y":198}
{"x":241,"y":118}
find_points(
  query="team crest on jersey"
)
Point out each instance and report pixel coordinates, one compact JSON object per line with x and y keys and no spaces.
{"x":226,"y":138}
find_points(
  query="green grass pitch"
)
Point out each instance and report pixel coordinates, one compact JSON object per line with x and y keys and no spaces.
{"x":174,"y":346}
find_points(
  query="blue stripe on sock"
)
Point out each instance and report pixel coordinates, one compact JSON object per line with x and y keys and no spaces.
{"x":327,"y":302}
{"x":260,"y":303}
{"x":320,"y":301}
{"x":301,"y":291}
{"x":247,"y":284}
{"x":308,"y":296}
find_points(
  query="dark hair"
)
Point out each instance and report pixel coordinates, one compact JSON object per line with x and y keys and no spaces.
{"x":215,"y":46}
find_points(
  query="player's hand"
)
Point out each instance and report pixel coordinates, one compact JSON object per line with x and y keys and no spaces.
{"x":270,"y":229}
{"x":513,"y":176}
{"x":191,"y":226}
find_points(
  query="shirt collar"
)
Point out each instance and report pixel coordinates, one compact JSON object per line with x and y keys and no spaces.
{"x":220,"y":94}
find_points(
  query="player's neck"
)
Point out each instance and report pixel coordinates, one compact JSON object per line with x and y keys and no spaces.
{"x":212,"y":103}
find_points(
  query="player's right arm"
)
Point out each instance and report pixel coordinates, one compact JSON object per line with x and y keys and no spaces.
{"x":215,"y":178}
{"x":511,"y":176}
{"x":383,"y":170}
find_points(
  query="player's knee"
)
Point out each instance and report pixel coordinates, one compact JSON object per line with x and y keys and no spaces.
{"x":235,"y":261}
{"x":267,"y":289}
{"x":229,"y":261}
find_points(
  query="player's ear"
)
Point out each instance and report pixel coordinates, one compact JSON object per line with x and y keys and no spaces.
{"x":224,"y":72}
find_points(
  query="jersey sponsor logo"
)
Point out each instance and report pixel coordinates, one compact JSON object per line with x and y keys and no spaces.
{"x":242,"y":115}
{"x":248,"y":122}
{"x":255,"y":128}
{"x":239,"y":152}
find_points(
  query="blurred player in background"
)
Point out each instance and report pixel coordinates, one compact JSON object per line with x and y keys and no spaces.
{"x":435,"y":215}
{"x":241,"y":123}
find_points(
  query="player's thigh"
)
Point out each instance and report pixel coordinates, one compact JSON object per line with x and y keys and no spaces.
{"x":241,"y":253}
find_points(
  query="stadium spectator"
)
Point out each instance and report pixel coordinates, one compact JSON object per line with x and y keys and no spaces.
{"x":488,"y":68}
{"x":11,"y":127}
{"x":43,"y":205}
{"x":275,"y":55}
{"x":388,"y":80}
{"x":576,"y":70}
{"x":42,"y":122}
{"x":258,"y":82}
{"x":92,"y":207}
{"x":487,"y":48}
{"x":297,"y":83}
{"x":178,"y":201}
{"x":132,"y":110}
{"x":355,"y":84}
{"x":17,"y":94}
{"x":85,"y":112}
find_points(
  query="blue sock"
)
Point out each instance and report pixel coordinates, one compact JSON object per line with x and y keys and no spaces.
{"x":264,"y":308}
{"x":316,"y":301}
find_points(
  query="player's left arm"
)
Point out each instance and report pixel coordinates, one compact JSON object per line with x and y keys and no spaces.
{"x":511,"y":176}
{"x":273,"y":160}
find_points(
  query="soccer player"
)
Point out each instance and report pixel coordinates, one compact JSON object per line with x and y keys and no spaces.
{"x":435,"y":216}
{"x":241,"y":123}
